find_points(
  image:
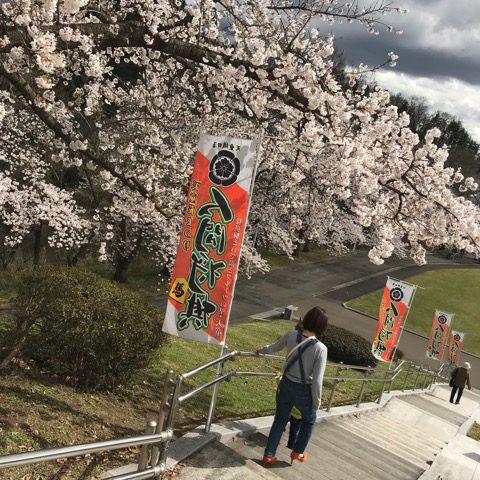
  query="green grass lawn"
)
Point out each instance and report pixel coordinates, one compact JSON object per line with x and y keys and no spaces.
{"x":450,"y":290}
{"x":474,"y":432}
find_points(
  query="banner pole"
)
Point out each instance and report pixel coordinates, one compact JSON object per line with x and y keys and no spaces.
{"x":213,"y":400}
{"x":403,"y":326}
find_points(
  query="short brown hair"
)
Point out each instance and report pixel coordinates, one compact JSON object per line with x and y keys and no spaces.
{"x":315,"y":320}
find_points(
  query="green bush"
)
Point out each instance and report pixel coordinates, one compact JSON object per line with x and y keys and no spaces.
{"x":348,"y":347}
{"x":86,"y":329}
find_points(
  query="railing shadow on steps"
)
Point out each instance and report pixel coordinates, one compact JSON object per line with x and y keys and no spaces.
{"x":154,"y":443}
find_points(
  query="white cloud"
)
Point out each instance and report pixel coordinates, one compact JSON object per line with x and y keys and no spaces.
{"x":445,"y":94}
{"x":443,"y":25}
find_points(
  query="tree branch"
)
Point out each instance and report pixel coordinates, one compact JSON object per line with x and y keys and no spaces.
{"x":31,"y":98}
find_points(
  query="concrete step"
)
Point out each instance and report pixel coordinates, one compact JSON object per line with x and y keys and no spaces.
{"x":365,"y":453}
{"x":408,"y":435}
{"x":408,"y":414}
{"x":467,"y":406}
{"x":350,"y":462}
{"x":401,"y":444}
{"x":375,"y":435}
{"x":473,"y":395}
{"x":398,"y":442}
{"x":218,"y":461}
{"x":413,"y":431}
{"x":252,"y":449}
{"x":433,"y":408}
{"x":443,"y":391}
{"x":332,"y":459}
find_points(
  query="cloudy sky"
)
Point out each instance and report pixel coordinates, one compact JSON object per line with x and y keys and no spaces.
{"x":439,"y":55}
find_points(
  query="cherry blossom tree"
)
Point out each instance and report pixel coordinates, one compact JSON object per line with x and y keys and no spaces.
{"x":31,"y":201}
{"x":124,"y":87}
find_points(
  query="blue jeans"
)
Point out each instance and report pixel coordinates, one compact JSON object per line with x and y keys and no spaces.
{"x":295,"y":425}
{"x":289,"y":394}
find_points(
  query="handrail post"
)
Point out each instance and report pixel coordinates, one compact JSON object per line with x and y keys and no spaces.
{"x":406,"y":377}
{"x":425,"y":379}
{"x":432,"y":376}
{"x":383,"y":387}
{"x":362,"y":388}
{"x":392,"y":379}
{"x":145,"y":450}
{"x":170,"y":422}
{"x":162,"y":413}
{"x":213,"y":401}
{"x":416,"y":378}
{"x":436,"y":373}
{"x":334,"y":386}
{"x":390,"y":383}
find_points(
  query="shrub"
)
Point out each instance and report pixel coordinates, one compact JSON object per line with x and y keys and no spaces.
{"x":347,"y":347}
{"x":87,"y":329}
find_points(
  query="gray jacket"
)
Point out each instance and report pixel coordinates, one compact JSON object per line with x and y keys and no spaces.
{"x":314,"y":363}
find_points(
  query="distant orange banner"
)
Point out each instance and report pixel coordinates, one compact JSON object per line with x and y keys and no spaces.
{"x":205,"y":270}
{"x":438,"y":335}
{"x":455,"y":347}
{"x":391,"y":317}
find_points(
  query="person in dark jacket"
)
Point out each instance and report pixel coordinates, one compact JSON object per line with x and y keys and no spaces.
{"x":459,"y":378}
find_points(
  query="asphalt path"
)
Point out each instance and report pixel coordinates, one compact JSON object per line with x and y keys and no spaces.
{"x":334,"y":282}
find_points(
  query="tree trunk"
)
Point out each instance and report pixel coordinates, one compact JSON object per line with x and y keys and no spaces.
{"x":121,"y":269}
{"x":74,"y":257}
{"x":14,"y":351}
{"x":122,"y":259}
{"x":306,"y":246}
{"x":18,"y":340}
{"x":300,"y":245}
{"x":37,"y":245}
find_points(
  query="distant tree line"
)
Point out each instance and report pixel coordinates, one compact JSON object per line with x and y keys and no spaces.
{"x":463,"y":149}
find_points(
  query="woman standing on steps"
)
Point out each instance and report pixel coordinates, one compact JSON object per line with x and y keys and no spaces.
{"x":301,"y":384}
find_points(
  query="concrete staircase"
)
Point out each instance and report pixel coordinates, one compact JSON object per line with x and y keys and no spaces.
{"x":397,"y":442}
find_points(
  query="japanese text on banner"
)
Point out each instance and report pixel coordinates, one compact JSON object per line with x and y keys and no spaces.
{"x":394,"y":306}
{"x":439,"y":334}
{"x":455,"y":347}
{"x":204,"y":274}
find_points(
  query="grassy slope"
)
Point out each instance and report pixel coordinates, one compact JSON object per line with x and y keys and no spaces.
{"x":455,"y":291}
{"x":474,"y":432}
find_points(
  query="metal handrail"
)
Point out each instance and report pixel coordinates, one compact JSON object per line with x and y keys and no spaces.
{"x":281,"y":357}
{"x":207,"y":365}
{"x":179,"y":399}
{"x":147,"y":474}
{"x":157,"y":456}
{"x":235,"y":353}
{"x":39,"y":456}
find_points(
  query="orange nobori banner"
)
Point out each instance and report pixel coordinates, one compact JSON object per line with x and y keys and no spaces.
{"x":205,"y":269}
{"x":393,"y":310}
{"x":455,"y":347}
{"x":439,"y":334}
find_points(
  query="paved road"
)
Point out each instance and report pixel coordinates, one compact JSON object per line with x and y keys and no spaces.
{"x":334,"y":282}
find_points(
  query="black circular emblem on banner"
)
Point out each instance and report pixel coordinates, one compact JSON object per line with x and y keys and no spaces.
{"x":396,"y":294}
{"x":442,"y":319}
{"x":224,"y":168}
{"x":456,"y":337}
